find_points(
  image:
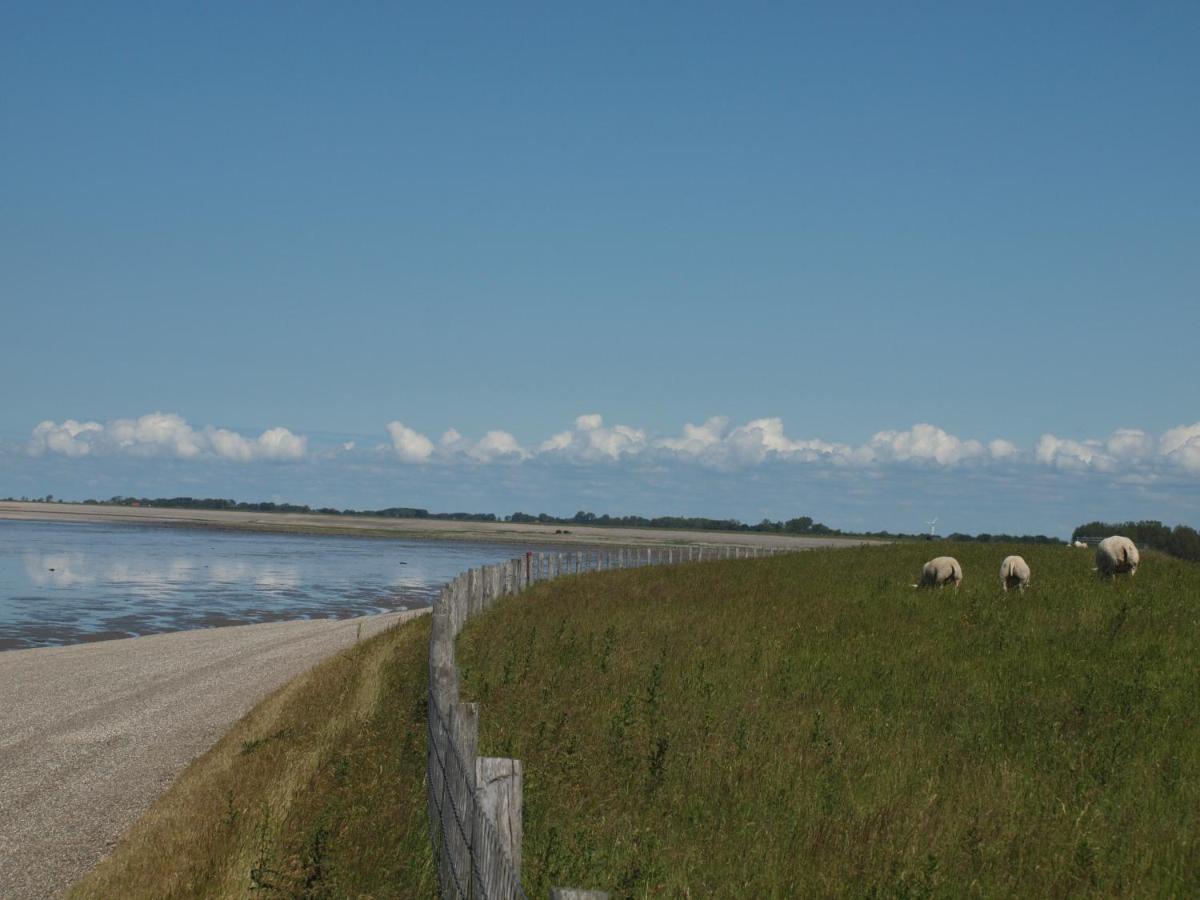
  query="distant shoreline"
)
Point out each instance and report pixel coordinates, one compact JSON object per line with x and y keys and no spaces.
{"x":404,"y":529}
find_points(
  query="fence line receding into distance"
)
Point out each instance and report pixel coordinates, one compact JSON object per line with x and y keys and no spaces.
{"x":475,"y":814}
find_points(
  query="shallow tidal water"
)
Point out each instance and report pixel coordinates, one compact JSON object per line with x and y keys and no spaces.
{"x":67,"y":583}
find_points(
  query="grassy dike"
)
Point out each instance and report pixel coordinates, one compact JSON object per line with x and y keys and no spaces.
{"x":318,"y":792}
{"x":811,"y":725}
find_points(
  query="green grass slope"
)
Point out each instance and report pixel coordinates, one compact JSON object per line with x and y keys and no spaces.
{"x":319,"y":791}
{"x":812,"y":725}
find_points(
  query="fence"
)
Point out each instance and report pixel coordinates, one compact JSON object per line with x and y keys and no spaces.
{"x":475,"y":816}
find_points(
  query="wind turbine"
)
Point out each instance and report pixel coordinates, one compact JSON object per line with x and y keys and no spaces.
{"x":931,"y":523}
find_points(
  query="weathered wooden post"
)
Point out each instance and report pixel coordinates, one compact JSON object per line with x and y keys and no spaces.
{"x":474,"y":592}
{"x":487,"y":588}
{"x":464,"y":741}
{"x":498,"y":793}
{"x":458,"y":604}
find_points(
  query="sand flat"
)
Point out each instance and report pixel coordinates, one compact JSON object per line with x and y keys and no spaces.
{"x":375,"y":526}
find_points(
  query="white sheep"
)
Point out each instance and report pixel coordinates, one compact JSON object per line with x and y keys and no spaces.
{"x":1014,"y":572}
{"x":1080,"y":544}
{"x":1116,"y":554}
{"x":941,"y":571}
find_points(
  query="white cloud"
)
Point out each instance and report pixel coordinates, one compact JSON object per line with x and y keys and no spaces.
{"x":593,"y":441}
{"x":1127,"y":453}
{"x":1002,"y":449}
{"x":560,"y":441}
{"x":923,"y":443}
{"x":1122,"y":449}
{"x":71,"y":438}
{"x":279,"y":443}
{"x":1063,"y":453}
{"x":759,"y":439}
{"x":156,"y":433}
{"x":1181,"y":446}
{"x":1129,"y":444}
{"x":697,"y":440}
{"x":497,"y":445}
{"x":163,"y":434}
{"x":411,"y":446}
{"x":713,"y":443}
{"x":493,"y":446}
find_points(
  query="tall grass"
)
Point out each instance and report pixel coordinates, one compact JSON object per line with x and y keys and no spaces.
{"x":318,"y":792}
{"x":812,"y":725}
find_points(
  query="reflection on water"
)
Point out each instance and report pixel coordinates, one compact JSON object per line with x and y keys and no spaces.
{"x":64,"y":583}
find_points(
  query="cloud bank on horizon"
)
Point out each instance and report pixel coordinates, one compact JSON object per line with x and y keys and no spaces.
{"x":162,"y":434}
{"x":714,"y":443}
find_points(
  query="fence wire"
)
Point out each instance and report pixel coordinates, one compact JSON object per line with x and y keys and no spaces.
{"x":471,"y":862}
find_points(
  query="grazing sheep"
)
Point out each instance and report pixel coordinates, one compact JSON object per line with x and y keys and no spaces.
{"x":1116,"y":554}
{"x":1080,"y":544}
{"x":940,"y":571}
{"x":1014,"y":572}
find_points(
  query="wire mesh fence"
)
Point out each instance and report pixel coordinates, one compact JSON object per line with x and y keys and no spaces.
{"x":475,"y":821}
{"x":471,"y":861}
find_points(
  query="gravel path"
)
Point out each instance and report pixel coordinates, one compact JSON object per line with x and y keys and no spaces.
{"x":92,"y":734}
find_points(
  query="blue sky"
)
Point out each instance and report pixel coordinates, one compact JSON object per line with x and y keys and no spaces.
{"x":874,"y":239}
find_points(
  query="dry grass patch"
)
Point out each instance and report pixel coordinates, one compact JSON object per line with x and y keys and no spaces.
{"x":319,"y":791}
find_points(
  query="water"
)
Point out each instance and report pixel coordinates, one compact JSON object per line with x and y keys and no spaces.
{"x":66,"y":583}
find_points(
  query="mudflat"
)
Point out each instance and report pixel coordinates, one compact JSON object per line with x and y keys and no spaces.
{"x":377,"y":526}
{"x":92,"y":734}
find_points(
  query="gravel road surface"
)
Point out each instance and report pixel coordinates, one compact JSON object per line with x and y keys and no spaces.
{"x":92,"y":734}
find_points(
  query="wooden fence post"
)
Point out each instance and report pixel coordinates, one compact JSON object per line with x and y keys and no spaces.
{"x":464,"y":739}
{"x":474,"y":593}
{"x":499,"y":783}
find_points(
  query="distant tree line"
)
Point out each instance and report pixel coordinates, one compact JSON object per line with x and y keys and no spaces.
{"x":801,"y":525}
{"x":1181,"y":541}
{"x":984,"y":538}
{"x":219,"y":503}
